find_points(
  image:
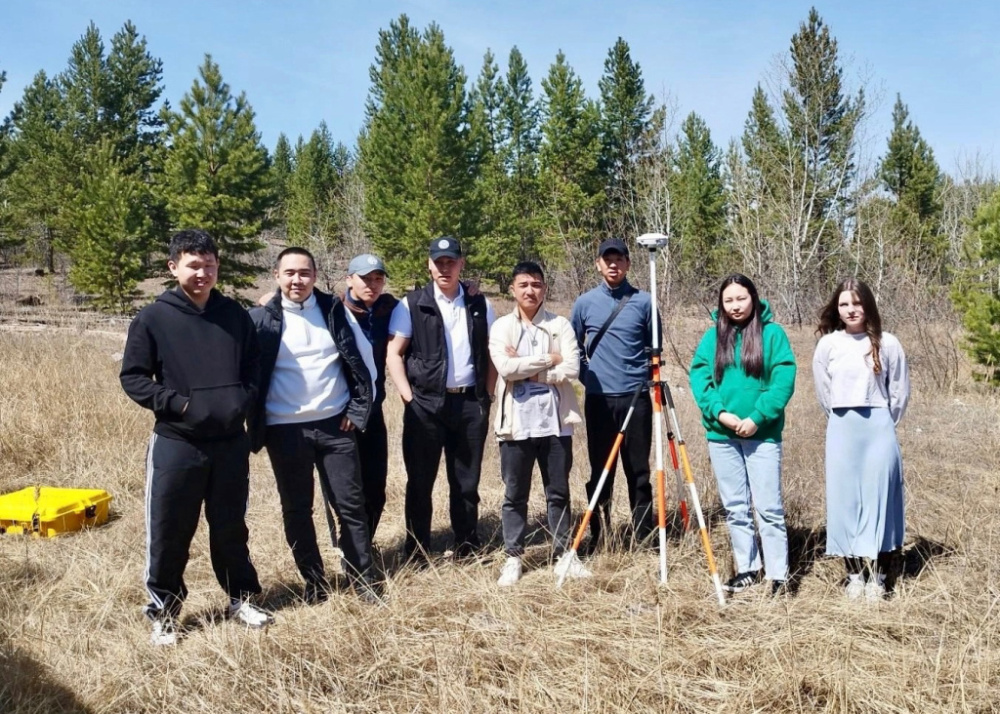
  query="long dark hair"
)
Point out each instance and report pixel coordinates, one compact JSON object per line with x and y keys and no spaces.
{"x":752,"y":351}
{"x":829,"y":316}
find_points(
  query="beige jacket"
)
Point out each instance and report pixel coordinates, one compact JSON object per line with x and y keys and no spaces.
{"x":506,"y":332}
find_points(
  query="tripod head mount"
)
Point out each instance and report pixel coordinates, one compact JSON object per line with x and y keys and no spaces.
{"x":652,"y":241}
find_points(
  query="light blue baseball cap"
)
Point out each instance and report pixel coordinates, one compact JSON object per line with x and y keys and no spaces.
{"x":364,"y":264}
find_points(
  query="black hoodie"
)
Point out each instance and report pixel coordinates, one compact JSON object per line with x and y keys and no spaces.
{"x":207,"y":359}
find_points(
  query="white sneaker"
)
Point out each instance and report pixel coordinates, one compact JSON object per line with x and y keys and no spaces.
{"x":250,"y":615}
{"x":510,"y":573}
{"x":855,"y":589}
{"x":875,"y":589}
{"x":576,"y":569}
{"x":164,"y":633}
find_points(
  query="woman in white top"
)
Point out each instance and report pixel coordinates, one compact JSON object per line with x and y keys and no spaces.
{"x":863,"y":385}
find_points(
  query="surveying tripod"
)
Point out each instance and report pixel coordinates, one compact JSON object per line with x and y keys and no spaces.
{"x":661,"y":398}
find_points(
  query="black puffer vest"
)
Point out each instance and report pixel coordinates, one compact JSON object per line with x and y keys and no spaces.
{"x":427,"y":354}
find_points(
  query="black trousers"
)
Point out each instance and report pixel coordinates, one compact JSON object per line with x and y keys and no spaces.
{"x":373,"y":449}
{"x":460,"y":431}
{"x":554,"y":455}
{"x":294,"y":449}
{"x":604,"y":415}
{"x":180,"y":477}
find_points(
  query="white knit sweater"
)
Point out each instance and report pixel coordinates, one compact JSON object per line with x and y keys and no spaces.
{"x":307,"y":383}
{"x":842,"y":370}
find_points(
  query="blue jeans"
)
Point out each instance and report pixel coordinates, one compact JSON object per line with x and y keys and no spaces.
{"x":750,"y":471}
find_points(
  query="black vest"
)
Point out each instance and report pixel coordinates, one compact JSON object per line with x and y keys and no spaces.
{"x":427,"y":355}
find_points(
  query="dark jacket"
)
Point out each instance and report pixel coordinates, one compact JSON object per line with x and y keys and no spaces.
{"x":427,"y":354}
{"x":374,"y":323}
{"x":177,"y":355}
{"x":268,"y":321}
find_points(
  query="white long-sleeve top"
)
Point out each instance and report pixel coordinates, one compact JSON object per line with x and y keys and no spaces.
{"x":308,"y":380}
{"x":842,"y":370}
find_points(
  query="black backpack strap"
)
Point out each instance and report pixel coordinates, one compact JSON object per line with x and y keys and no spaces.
{"x":607,"y":323}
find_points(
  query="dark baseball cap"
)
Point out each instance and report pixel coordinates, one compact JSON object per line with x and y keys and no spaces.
{"x":445,"y":247}
{"x":364,"y":264}
{"x":612,"y":244}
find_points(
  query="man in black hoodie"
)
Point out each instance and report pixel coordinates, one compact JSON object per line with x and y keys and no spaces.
{"x":192,"y":358}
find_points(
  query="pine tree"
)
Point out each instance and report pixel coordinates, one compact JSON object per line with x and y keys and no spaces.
{"x":282,"y":167}
{"x":912,"y":176}
{"x":8,"y":236}
{"x":111,"y":96}
{"x":627,"y":120}
{"x":416,"y":158}
{"x":134,"y":87}
{"x":571,"y":185}
{"x":217,"y":174}
{"x":976,"y":293}
{"x":113,"y":230}
{"x":98,"y":97}
{"x":314,"y":180}
{"x":497,"y":243}
{"x":699,"y":203}
{"x":519,"y":120}
{"x":792,"y":185}
{"x":39,"y":185}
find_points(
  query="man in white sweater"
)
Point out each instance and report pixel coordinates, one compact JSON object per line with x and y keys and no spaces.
{"x":536,"y":357}
{"x":316,"y":391}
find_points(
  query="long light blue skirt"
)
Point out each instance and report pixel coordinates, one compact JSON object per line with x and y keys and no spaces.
{"x":864,"y":484}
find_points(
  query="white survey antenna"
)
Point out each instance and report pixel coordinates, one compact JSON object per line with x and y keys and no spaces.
{"x":652,"y":240}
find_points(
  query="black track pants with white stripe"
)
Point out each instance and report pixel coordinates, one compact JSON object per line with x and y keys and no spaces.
{"x":180,"y":477}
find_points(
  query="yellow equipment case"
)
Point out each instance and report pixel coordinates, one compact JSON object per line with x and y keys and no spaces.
{"x":48,"y":512}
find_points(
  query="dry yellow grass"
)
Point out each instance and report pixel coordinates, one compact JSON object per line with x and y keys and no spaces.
{"x":72,"y":637}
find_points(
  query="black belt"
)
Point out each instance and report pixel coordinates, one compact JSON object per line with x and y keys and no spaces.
{"x":459,"y":390}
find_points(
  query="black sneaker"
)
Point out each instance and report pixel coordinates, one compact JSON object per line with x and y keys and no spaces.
{"x":467,"y":550}
{"x":371,"y":593}
{"x":779,"y":588}
{"x":316,"y":592}
{"x":742,"y":581}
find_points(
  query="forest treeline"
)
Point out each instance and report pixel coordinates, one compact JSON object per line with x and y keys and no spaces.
{"x":96,"y":170}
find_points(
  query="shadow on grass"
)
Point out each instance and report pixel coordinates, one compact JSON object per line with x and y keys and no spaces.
{"x":914,"y":559}
{"x":805,"y":547}
{"x":27,"y":686}
{"x":393,"y":557}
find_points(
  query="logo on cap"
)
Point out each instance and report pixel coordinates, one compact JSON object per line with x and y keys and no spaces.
{"x":442,"y":244}
{"x":372,"y":260}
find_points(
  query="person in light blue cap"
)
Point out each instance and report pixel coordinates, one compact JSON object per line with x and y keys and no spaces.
{"x":371,"y":308}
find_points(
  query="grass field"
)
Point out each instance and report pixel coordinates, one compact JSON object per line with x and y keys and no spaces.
{"x":73,"y":639}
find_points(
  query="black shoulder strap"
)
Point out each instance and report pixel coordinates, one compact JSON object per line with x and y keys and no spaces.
{"x":607,"y":323}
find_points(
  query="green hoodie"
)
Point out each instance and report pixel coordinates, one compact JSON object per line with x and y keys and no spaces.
{"x":763,"y":400}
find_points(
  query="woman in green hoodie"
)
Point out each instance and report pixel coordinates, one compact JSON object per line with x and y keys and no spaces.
{"x":742,"y":376}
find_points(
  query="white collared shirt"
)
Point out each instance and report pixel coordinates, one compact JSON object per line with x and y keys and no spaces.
{"x":456,"y":333}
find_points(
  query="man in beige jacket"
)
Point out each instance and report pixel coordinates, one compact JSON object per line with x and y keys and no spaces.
{"x":536,"y":356}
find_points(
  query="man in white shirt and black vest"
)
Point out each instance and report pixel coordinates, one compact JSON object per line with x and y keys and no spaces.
{"x":438,"y":358}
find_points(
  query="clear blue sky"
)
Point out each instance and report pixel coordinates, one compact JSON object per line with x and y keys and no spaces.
{"x":303,"y":61}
